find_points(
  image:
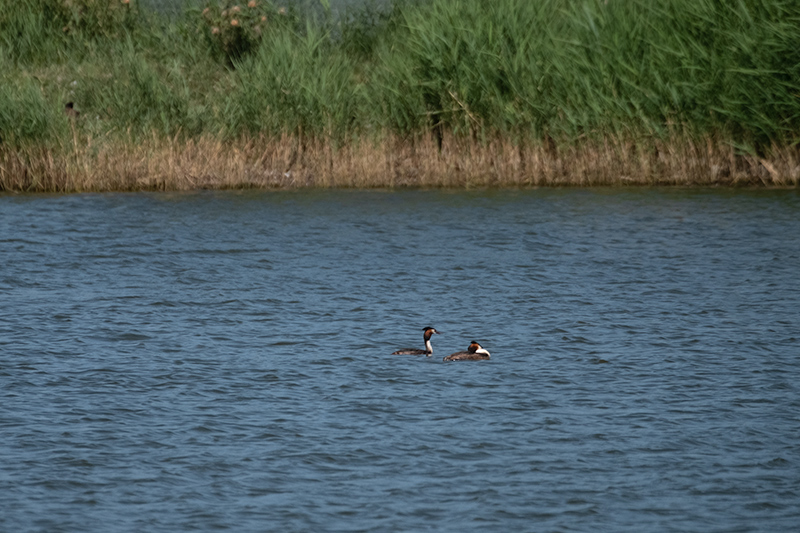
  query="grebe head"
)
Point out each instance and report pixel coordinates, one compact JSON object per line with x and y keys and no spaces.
{"x":475,"y":347}
{"x":429,"y":332}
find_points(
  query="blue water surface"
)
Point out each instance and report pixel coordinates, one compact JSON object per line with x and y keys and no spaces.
{"x":221,"y":361}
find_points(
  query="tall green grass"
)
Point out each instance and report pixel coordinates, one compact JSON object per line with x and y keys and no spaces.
{"x":25,"y":115}
{"x":564,"y":70}
{"x":296,"y":83}
{"x":599,"y":67}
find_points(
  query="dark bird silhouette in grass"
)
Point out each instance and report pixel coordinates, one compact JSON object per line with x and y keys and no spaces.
{"x":70,"y":111}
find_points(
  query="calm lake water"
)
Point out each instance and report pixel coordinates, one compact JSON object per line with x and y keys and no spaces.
{"x":205,"y":361}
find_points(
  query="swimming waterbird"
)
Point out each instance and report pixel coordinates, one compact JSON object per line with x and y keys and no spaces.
{"x":475,"y":352}
{"x":428,"y":351}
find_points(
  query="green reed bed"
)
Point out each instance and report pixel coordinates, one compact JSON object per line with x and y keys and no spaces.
{"x":716,"y":83}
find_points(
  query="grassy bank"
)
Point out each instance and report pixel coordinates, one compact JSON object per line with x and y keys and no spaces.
{"x":449,"y":93}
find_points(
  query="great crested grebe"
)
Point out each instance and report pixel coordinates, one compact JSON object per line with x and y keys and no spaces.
{"x":475,"y":352}
{"x":428,"y":349}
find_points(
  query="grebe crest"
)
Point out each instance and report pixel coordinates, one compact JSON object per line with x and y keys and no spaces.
{"x":426,"y":336}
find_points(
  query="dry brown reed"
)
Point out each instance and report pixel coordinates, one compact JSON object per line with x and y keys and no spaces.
{"x":293,"y":162}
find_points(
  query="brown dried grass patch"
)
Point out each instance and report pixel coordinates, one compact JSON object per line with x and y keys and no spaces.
{"x":293,"y":162}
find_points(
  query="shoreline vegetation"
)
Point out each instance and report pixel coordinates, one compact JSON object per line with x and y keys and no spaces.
{"x":101,"y":95}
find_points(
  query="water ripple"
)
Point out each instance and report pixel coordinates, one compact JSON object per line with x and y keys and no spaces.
{"x":157,"y":375}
